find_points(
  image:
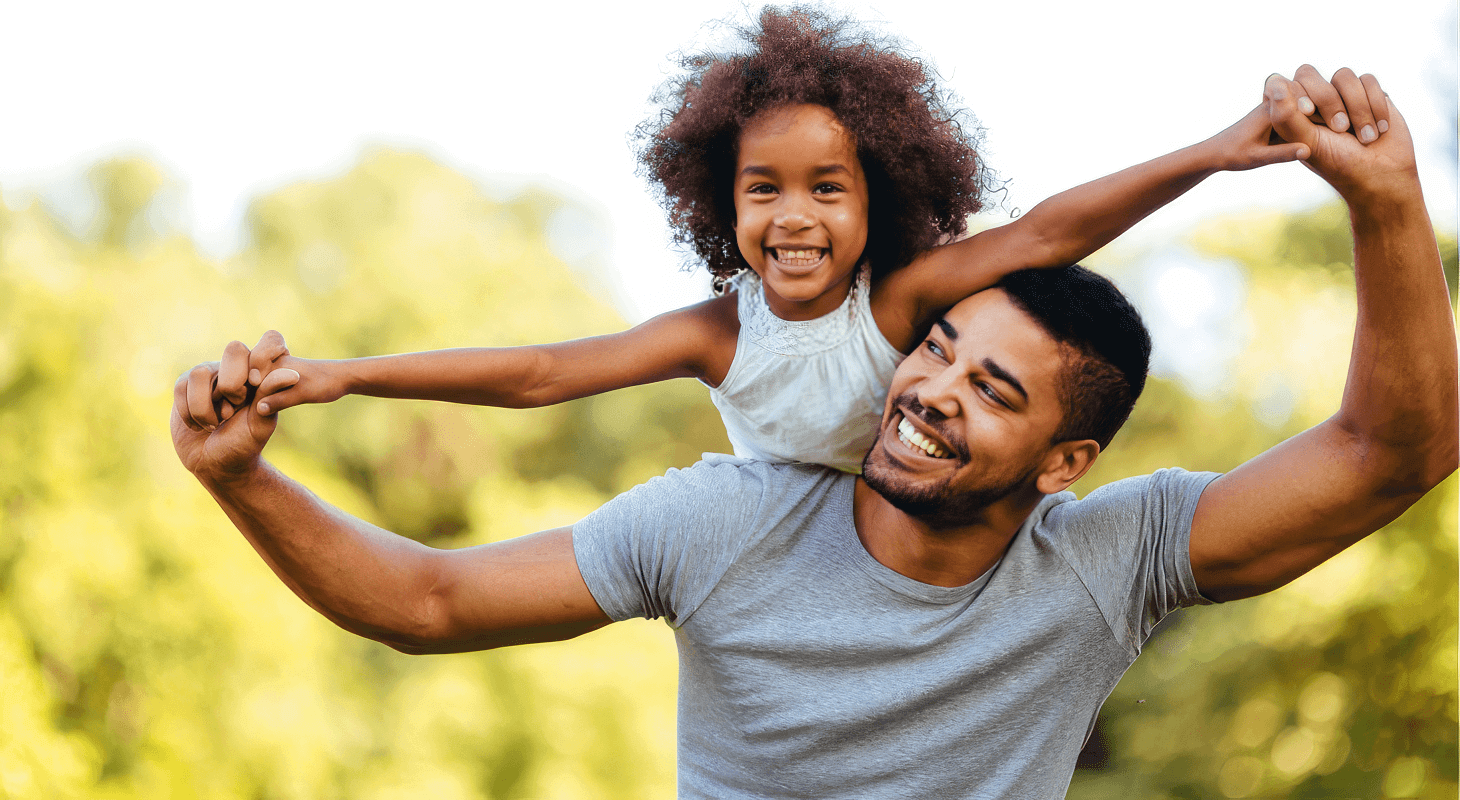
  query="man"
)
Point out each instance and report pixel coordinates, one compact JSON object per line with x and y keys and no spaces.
{"x":950,"y":624}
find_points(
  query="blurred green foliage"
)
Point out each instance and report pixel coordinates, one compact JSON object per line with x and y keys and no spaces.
{"x":145,"y":651}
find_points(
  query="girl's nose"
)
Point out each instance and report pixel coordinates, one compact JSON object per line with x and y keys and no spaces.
{"x":794,"y":215}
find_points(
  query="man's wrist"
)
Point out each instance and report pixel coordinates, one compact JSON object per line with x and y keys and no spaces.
{"x":234,"y":478}
{"x":1399,"y":198}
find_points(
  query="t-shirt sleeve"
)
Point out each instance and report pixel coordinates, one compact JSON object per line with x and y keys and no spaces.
{"x":660,"y":548}
{"x":1129,"y":542}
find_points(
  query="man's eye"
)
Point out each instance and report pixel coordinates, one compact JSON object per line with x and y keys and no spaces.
{"x":991,"y":393}
{"x":934,"y":348}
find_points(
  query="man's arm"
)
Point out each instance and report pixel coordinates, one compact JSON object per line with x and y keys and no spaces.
{"x":1069,"y":226}
{"x":1395,"y":434}
{"x":369,"y":581}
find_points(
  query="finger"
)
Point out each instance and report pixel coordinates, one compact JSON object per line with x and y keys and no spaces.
{"x":1290,"y":124}
{"x":1326,"y":99}
{"x":273,"y":396}
{"x":1378,"y":102}
{"x":1281,"y":153}
{"x":1356,"y":104}
{"x":270,"y":348}
{"x":232,"y":372}
{"x":180,"y":406}
{"x":200,"y":395}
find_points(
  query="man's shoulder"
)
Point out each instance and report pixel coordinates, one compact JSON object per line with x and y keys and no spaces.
{"x":1122,"y":502}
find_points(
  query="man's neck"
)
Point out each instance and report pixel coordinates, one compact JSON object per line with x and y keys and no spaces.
{"x":941,"y":556}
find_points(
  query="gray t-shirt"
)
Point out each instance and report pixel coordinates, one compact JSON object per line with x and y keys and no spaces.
{"x":809,"y":669}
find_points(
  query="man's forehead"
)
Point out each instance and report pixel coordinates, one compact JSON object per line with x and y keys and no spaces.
{"x":992,"y":309}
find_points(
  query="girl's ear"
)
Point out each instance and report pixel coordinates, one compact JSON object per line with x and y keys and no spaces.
{"x":1066,"y":463}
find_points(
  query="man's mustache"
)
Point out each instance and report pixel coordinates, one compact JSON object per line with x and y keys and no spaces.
{"x":908,"y":404}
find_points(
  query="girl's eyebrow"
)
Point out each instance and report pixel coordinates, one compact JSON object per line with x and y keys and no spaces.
{"x":758,"y":169}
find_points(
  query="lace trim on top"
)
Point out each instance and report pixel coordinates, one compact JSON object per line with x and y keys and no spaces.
{"x":800,"y":337}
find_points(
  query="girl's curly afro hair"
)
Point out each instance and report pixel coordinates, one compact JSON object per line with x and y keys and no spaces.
{"x":924,"y":176}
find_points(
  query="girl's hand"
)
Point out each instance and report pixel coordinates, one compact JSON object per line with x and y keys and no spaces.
{"x":319,"y":381}
{"x":1251,"y":143}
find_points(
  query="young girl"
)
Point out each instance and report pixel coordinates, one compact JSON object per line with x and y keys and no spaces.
{"x":814,"y":174}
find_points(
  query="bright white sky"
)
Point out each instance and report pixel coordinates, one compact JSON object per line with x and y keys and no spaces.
{"x":238,"y":99}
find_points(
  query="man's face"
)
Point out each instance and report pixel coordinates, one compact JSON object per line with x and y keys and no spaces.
{"x":970,"y":414}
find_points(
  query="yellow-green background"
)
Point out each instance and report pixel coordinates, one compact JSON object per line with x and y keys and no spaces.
{"x":146,"y":652}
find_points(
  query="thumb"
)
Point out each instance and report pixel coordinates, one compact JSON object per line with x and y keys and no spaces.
{"x":1283,"y":153}
{"x":276,"y":392}
{"x":1287,"y":120}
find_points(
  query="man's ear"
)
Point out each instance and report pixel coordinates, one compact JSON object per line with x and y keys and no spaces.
{"x":1066,"y":463}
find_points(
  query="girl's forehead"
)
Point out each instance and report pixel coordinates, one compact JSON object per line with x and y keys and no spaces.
{"x":796,"y":119}
{"x":790,"y":133}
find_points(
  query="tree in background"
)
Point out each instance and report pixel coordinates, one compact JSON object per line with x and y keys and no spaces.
{"x":145,"y":651}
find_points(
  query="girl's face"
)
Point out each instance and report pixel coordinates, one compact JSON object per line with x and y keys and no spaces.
{"x":800,"y":208}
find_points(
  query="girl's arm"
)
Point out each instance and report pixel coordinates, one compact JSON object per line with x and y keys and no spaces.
{"x":1067,"y":227}
{"x":693,"y":342}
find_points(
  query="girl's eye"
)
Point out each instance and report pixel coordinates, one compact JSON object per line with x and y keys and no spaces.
{"x":761,"y":188}
{"x":827,"y":188}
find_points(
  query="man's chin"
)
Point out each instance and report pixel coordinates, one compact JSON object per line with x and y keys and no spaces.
{"x":934,"y":502}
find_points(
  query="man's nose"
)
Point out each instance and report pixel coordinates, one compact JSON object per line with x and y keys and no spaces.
{"x":939,"y":392}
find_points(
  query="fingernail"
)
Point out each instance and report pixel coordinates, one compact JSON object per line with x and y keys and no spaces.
{"x":264,"y":408}
{"x":1305,"y":105}
{"x":254,"y":377}
{"x":1279,"y":93}
{"x":1383,"y":126}
{"x":1340,"y":122}
{"x":1366,"y":134}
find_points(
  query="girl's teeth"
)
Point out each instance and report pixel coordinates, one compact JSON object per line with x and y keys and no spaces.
{"x":791,"y":256}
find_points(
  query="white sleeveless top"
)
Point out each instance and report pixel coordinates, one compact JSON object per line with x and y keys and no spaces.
{"x":809,"y":391}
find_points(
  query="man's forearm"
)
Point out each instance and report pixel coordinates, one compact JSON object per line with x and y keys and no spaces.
{"x":1401,"y":394}
{"x":364,"y":579}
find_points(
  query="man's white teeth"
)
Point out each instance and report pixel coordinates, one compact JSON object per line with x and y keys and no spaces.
{"x":910,"y":437}
{"x":798,"y":257}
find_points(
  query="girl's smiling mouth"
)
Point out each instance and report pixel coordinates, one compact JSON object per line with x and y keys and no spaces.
{"x":800,"y":258}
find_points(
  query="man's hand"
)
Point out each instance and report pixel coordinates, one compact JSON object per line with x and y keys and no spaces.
{"x":1250,"y":143}
{"x":216,"y":430}
{"x":1359,"y":143}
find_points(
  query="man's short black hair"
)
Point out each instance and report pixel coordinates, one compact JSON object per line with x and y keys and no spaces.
{"x":1109,"y":348}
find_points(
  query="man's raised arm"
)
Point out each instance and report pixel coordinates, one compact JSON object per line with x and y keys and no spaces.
{"x":369,"y":581}
{"x":1394,"y":436}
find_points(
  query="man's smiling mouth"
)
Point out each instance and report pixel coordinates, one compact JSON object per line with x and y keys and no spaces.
{"x":909,"y":436}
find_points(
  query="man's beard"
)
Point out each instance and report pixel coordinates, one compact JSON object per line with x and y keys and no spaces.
{"x":937,"y":505}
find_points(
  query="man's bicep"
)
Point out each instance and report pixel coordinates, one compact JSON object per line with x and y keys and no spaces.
{"x":1287,"y":511}
{"x":519,"y":591}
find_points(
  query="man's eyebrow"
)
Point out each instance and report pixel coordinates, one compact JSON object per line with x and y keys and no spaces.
{"x":947,"y":328}
{"x":1002,"y":374}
